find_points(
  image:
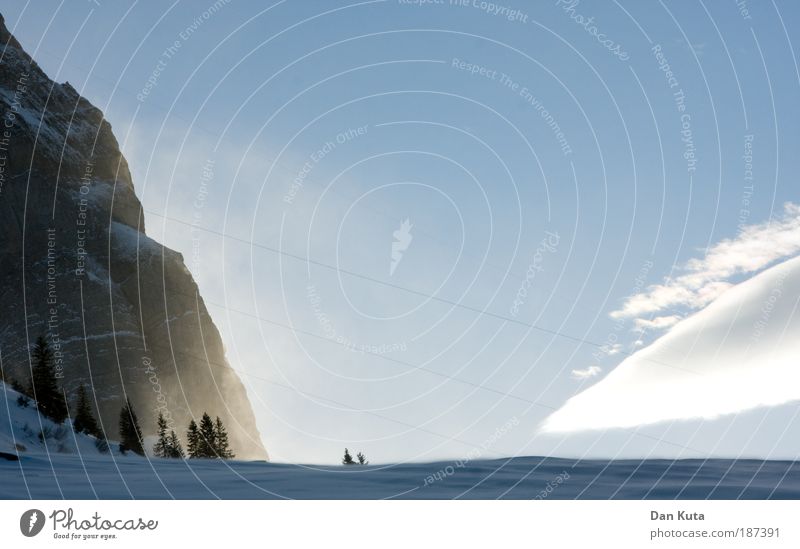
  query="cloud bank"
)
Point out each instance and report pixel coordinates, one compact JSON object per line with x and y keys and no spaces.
{"x":741,"y":352}
{"x":705,"y":279}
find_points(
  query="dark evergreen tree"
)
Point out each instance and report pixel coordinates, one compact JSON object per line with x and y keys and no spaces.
{"x":20,"y":388}
{"x":348,"y":459}
{"x":24,"y":399}
{"x":193,"y":440}
{"x":129,"y":431}
{"x":207,"y":442}
{"x":161,"y":448}
{"x":362,"y":459}
{"x":84,"y":421}
{"x":222,"y":446}
{"x":175,"y":448}
{"x":45,"y":390}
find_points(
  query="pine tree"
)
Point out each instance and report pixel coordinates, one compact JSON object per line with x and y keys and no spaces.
{"x":84,"y":421}
{"x":222,"y":447}
{"x":193,"y":440}
{"x":348,"y":459}
{"x":129,"y":431}
{"x":362,"y":459}
{"x":24,"y":398}
{"x":175,"y":448}
{"x":161,"y":447}
{"x":20,"y":388}
{"x":49,"y":398}
{"x":207,"y":442}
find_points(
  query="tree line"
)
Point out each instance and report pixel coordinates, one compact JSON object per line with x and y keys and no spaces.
{"x":208,"y":440}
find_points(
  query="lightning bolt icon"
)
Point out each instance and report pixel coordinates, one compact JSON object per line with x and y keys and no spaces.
{"x":34,"y":519}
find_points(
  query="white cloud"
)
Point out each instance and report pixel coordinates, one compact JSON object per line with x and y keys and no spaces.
{"x":705,"y":279}
{"x":586,"y":373}
{"x":739,"y":353}
{"x":612,"y":349}
{"x":657,"y":323}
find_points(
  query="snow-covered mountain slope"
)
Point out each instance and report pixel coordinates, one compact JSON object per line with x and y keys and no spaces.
{"x":739,"y":353}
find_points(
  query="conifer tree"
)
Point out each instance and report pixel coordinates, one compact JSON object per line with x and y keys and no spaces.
{"x":175,"y":448}
{"x":207,"y":443}
{"x":162,"y":446}
{"x":362,"y":459}
{"x":193,"y":440}
{"x":222,"y":446}
{"x":84,"y":421}
{"x":348,"y":459}
{"x":20,"y":388}
{"x":129,"y":430}
{"x":49,"y":398}
{"x":24,"y":398}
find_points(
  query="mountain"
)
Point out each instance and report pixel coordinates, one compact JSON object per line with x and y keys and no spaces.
{"x":738,"y":354}
{"x":121,"y":312}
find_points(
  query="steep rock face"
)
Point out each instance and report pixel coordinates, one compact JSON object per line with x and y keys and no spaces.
{"x":121,"y":311}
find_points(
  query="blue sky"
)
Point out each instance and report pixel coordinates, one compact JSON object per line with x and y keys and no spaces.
{"x":464,"y":118}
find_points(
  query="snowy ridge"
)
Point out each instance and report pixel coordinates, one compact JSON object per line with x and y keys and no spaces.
{"x":21,"y":428}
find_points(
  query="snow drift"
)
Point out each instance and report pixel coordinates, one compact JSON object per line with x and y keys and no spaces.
{"x":739,"y":353}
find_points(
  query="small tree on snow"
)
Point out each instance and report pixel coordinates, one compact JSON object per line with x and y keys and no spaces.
{"x":207,"y":442}
{"x":175,"y":448}
{"x":222,"y":446}
{"x":362,"y":459}
{"x":44,"y":385}
{"x":84,"y":421}
{"x":347,"y":459}
{"x":192,"y":440}
{"x":162,"y":446}
{"x":129,"y":431}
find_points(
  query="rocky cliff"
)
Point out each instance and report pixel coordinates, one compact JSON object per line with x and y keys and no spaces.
{"x":121,"y":311}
